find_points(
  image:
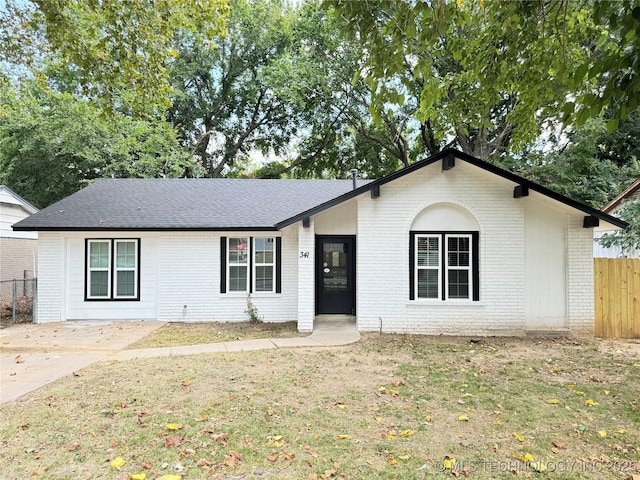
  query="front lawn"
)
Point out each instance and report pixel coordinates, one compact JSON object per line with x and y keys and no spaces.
{"x":387,"y":407}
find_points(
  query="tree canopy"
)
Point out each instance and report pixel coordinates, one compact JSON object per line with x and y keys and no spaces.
{"x":119,"y":51}
{"x":52,"y":145}
{"x":274,"y":88}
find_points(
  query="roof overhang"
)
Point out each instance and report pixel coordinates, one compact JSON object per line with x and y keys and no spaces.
{"x":143,"y":229}
{"x":448,"y":158}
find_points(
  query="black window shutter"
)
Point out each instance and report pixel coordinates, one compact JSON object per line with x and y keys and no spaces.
{"x":412,"y":266}
{"x":223,"y":264}
{"x":475,"y":237}
{"x":278,"y":264}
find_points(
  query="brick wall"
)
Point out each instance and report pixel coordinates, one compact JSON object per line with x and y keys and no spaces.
{"x":18,"y":260}
{"x":189,"y":274}
{"x":50,"y":277}
{"x":16,"y":256}
{"x":580,"y":276}
{"x":383,"y":255}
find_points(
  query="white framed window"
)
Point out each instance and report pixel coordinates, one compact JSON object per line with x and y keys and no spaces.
{"x":264,"y":257}
{"x":126,"y":266}
{"x":458,"y":278}
{"x":444,"y":266}
{"x":250,"y":264}
{"x":428,"y":266}
{"x":99,"y":269}
{"x":238,"y":264}
{"x":112,"y":269}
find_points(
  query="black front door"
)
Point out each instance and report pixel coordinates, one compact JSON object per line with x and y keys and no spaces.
{"x":336,"y":275}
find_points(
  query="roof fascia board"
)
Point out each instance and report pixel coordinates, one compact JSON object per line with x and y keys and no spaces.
{"x":23,"y":203}
{"x":627,"y":192}
{"x":516,"y":179}
{"x":146,"y":229}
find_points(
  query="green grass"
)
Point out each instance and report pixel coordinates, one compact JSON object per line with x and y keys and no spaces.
{"x":386,"y":407}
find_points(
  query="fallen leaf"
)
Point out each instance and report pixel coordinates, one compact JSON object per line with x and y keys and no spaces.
{"x":343,"y":436}
{"x":590,"y":403}
{"x":170,"y":477}
{"x":233,"y":458}
{"x":185,"y":383}
{"x":553,"y":401}
{"x":173,"y":426}
{"x":559,"y":444}
{"x":310,"y":451}
{"x":463,"y":418}
{"x":538,"y":466}
{"x":407,"y":433}
{"x":392,"y":461}
{"x":519,"y":437}
{"x":602,"y":433}
{"x":449,"y":462}
{"x":172,"y":441}
{"x":328,"y":473}
{"x":137,"y":476}
{"x":220,"y":438}
{"x":19,"y":359}
{"x":273,"y":458}
{"x":118,"y":462}
{"x":73,"y":446}
{"x":526,"y":458}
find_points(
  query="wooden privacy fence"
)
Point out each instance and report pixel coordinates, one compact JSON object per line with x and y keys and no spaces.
{"x":617,"y":302}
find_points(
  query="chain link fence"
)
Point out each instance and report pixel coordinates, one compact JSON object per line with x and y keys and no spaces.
{"x":17,"y":301}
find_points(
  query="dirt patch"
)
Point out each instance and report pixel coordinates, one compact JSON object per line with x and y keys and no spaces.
{"x":179,"y":334}
{"x":24,"y":312}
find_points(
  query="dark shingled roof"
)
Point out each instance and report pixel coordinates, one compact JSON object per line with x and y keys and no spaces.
{"x":185,"y":204}
{"x":234,"y":204}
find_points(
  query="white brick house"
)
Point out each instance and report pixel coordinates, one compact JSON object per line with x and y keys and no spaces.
{"x":450,"y":245}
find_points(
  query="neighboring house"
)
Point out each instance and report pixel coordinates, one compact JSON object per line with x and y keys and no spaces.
{"x":18,"y":249}
{"x":632,"y":192}
{"x":449,"y":245}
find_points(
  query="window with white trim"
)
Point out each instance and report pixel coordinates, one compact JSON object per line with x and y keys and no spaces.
{"x":444,"y":266}
{"x":250,"y":264}
{"x":238,"y":263}
{"x":263,"y":264}
{"x":112,"y":271}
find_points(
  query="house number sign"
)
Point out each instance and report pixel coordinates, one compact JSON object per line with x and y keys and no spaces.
{"x":304,"y":254}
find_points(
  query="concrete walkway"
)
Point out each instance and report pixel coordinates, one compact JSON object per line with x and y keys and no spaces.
{"x":34,"y":355}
